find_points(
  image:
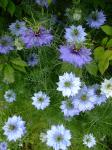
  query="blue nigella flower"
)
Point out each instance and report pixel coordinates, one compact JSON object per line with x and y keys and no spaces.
{"x":3,"y":146}
{"x":6,"y":44}
{"x":17,"y":28}
{"x":77,"y":57}
{"x":74,"y":34}
{"x":100,"y":97}
{"x":96,"y":19}
{"x":85,"y":99}
{"x":14,"y":128}
{"x":33,"y":60}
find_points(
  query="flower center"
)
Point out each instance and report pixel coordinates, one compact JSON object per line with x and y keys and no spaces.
{"x":88,"y":140}
{"x":109,"y":86}
{"x":69,"y":104}
{"x":84,"y":97}
{"x":67,"y":84}
{"x":12,"y":127}
{"x":17,"y":26}
{"x":59,"y":138}
{"x":40,"y":99}
{"x":94,"y":16}
{"x":76,"y":32}
{"x":98,"y":92}
{"x":4,"y":42}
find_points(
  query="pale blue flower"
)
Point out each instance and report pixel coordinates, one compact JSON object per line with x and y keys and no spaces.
{"x":14,"y":128}
{"x":85,"y":99}
{"x":96,"y":19}
{"x":58,"y":137}
{"x":100,"y":97}
{"x":3,"y":146}
{"x":75,"y":34}
{"x":69,"y":108}
{"x":18,"y":27}
{"x":10,"y":96}
{"x":40,"y":100}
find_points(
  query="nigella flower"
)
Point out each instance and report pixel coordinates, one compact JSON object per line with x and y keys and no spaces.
{"x":6,"y":44}
{"x":3,"y":146}
{"x":89,"y":140}
{"x":17,"y":28}
{"x":32,"y":60}
{"x":96,"y":19}
{"x":43,"y":137}
{"x":40,"y":100}
{"x":68,"y":108}
{"x":58,"y":137}
{"x":10,"y":96}
{"x":43,"y":2}
{"x":106,"y":87}
{"x":85,"y":99}
{"x":75,"y":34}
{"x":14,"y":128}
{"x":36,"y":39}
{"x":69,"y":84}
{"x":77,"y":57}
{"x":100,"y":97}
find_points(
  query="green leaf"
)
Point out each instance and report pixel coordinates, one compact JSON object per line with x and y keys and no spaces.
{"x":11,"y":7}
{"x":107,"y":29}
{"x":104,"y":62}
{"x":19,"y":62}
{"x":3,"y":3}
{"x":19,"y":68}
{"x":109,"y":44}
{"x":92,"y":68}
{"x":98,"y":52}
{"x":104,"y":41}
{"x":8,"y":74}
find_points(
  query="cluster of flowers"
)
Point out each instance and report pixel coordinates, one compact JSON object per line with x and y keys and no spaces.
{"x":25,"y":37}
{"x":79,"y":98}
{"x":74,"y":51}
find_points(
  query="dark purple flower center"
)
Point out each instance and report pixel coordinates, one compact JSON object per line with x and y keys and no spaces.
{"x":75,"y":50}
{"x":37,"y":33}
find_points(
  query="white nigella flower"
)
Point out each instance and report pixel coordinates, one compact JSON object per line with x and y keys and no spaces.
{"x":43,"y":137}
{"x":77,"y":14}
{"x":89,"y":140}
{"x":14,"y":128}
{"x":40,"y":100}
{"x":106,"y":87}
{"x":58,"y":137}
{"x":68,"y":108}
{"x":10,"y":96}
{"x":69,"y":84}
{"x":75,"y":34}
